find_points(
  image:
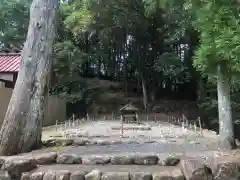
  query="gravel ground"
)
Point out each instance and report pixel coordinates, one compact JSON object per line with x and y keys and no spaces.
{"x":107,"y":129}
{"x":194,"y":147}
{"x":168,"y":138}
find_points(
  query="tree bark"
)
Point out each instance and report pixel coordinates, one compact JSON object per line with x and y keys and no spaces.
{"x":21,"y":129}
{"x":145,"y":94}
{"x":153,"y":95}
{"x":226,"y":131}
{"x":200,"y":99}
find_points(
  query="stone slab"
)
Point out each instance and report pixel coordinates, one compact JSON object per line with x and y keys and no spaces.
{"x":105,"y":168}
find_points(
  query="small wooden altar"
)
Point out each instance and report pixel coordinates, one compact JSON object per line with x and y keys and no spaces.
{"x":129,"y":114}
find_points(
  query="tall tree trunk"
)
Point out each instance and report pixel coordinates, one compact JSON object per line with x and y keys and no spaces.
{"x":125,"y":70}
{"x":200,"y":99}
{"x":125,"y":78}
{"x":114,"y":63}
{"x":21,"y":129}
{"x":86,"y":65}
{"x":153,"y":95}
{"x":99,"y":64}
{"x":138,"y":84}
{"x":145,"y":94}
{"x":226,"y":131}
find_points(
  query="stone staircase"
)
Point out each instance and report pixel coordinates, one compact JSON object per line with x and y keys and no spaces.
{"x":54,"y":166}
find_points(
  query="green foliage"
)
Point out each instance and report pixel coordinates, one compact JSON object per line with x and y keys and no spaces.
{"x":13,"y":23}
{"x":175,"y":14}
{"x":170,"y":65}
{"x":67,"y":62}
{"x":125,"y":40}
{"x":67,"y":58}
{"x":78,"y":17}
{"x":118,"y":40}
{"x":218,"y":24}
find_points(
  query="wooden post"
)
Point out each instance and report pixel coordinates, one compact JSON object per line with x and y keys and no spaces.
{"x":65,"y":125}
{"x":168,"y":120}
{"x":195,"y":127}
{"x":61,"y":126}
{"x":121,"y":126}
{"x":137,"y":118}
{"x":200,"y":126}
{"x":183,"y":126}
{"x":186,"y":121}
{"x":73,"y":121}
{"x":56,"y":125}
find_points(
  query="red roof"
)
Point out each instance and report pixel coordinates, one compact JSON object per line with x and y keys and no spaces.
{"x":10,"y":62}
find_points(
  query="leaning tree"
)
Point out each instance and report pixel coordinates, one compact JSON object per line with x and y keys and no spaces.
{"x":21,"y":129}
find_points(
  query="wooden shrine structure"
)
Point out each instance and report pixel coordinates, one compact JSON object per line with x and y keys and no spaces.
{"x":129,"y":114}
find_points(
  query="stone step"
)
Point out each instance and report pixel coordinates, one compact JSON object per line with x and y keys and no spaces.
{"x":105,"y":168}
{"x":81,"y":172}
{"x":37,"y":168}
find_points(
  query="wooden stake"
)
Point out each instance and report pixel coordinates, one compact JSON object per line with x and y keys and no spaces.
{"x":195,"y":127}
{"x":121,"y":126}
{"x":200,"y":126}
{"x":65,"y":125}
{"x":183,"y":126}
{"x":56,"y":125}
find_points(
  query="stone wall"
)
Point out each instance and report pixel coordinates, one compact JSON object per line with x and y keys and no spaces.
{"x":217,"y":166}
{"x":55,"y":109}
{"x":5,"y":95}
